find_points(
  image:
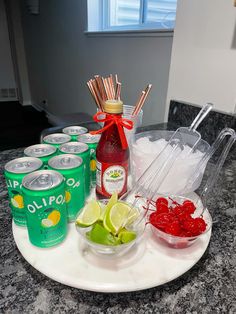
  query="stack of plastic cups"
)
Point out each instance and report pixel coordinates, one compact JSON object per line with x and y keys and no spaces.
{"x":137,"y":122}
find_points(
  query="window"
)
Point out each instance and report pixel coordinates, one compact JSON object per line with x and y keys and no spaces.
{"x":123,"y":15}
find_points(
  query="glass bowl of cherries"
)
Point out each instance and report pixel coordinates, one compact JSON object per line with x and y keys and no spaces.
{"x":178,"y":222}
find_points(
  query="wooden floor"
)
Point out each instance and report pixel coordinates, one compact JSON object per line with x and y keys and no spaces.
{"x":20,"y":126}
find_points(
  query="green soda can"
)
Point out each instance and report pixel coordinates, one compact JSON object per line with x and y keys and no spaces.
{"x":15,"y":170}
{"x":92,"y":142}
{"x":45,"y":207}
{"x":71,"y":167}
{"x":56,"y":139}
{"x":73,"y":131}
{"x":81,"y":150}
{"x":42,"y":151}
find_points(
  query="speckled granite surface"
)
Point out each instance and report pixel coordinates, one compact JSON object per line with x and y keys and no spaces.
{"x":209,"y":287}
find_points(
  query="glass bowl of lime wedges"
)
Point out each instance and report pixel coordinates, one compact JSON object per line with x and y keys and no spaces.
{"x":108,"y":226}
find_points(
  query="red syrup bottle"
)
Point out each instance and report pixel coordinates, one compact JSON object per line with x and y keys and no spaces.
{"x":112,"y":155}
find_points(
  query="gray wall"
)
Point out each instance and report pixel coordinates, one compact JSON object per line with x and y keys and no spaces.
{"x":61,"y":58}
{"x":7,"y":79}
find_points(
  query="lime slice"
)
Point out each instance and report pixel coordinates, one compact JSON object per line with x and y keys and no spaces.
{"x":103,"y":211}
{"x":106,"y":226}
{"x":99,"y":234}
{"x":127,"y":236}
{"x":112,"y":201}
{"x":133,"y":215}
{"x":89,"y":215}
{"x":117,"y":217}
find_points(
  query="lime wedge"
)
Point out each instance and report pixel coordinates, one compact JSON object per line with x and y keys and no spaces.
{"x":127,"y":236}
{"x":112,"y":201}
{"x":99,"y":234}
{"x":133,"y":215}
{"x":116,"y":217}
{"x":103,"y":211}
{"x":89,"y":215}
{"x":106,"y":226}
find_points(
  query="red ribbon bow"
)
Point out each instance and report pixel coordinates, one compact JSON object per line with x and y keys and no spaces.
{"x":118,"y":120}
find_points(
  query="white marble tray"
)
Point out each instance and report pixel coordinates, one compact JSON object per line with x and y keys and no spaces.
{"x":147,"y":265}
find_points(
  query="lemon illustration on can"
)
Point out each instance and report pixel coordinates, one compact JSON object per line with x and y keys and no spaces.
{"x":17,"y":201}
{"x":54,"y":216}
{"x":92,"y":165}
{"x":67,"y":196}
{"x":52,"y":219}
{"x":46,"y":223}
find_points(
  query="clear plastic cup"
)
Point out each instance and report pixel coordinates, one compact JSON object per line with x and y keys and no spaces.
{"x":137,"y":121}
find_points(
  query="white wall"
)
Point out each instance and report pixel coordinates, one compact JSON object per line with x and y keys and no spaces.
{"x":203,"y":62}
{"x":61,"y":58}
{"x":7,"y":79}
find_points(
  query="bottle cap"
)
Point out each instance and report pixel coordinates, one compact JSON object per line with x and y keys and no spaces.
{"x":113,"y":106}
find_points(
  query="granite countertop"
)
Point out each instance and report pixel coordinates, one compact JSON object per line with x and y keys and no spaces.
{"x":209,"y":287}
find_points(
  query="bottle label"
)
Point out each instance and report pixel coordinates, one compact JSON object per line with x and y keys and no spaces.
{"x":112,"y":178}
